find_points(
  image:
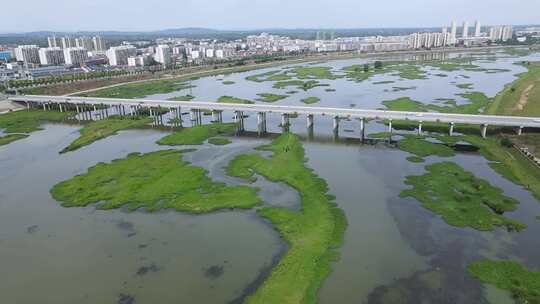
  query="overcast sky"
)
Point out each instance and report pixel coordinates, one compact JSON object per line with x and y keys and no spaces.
{"x":135,"y":15}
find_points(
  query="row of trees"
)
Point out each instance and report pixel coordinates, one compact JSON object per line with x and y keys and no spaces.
{"x":68,"y":78}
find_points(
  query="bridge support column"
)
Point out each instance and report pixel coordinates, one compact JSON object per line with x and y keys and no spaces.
{"x":179,"y":116}
{"x":390,"y":126}
{"x":239,"y":120}
{"x":261,"y":123}
{"x":309,"y":121}
{"x":61,"y":109}
{"x":483,"y":130}
{"x":336,"y":124}
{"x":151,"y":113}
{"x":420,"y":128}
{"x":44,"y":107}
{"x":362,"y":129}
{"x":215,"y":116}
{"x":285,"y":120}
{"x":520,"y":131}
{"x":451,"y":131}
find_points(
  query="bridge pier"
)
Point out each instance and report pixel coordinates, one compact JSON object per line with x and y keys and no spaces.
{"x":179,"y":116}
{"x":362,"y":129}
{"x":309,"y":121}
{"x":520,"y":131}
{"x":420,"y":128}
{"x":240,"y":120}
{"x":451,"y":131}
{"x":390,"y":126}
{"x":483,"y":130}
{"x":285,"y":120}
{"x":335,"y":128}
{"x":261,"y":123}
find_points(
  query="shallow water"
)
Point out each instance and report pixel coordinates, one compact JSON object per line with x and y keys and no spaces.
{"x":392,"y":246}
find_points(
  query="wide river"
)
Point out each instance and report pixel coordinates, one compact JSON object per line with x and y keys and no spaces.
{"x":395,"y":251}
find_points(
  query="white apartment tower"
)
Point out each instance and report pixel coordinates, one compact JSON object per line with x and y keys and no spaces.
{"x":477,"y":29}
{"x":75,"y":55}
{"x":27,"y":53}
{"x":163,"y":54}
{"x":119,"y":55}
{"x":453,"y":32}
{"x":53,"y":41}
{"x":99,"y":43}
{"x":67,"y":42}
{"x":51,"y":56}
{"x":84,"y":42}
{"x":465,"y":29}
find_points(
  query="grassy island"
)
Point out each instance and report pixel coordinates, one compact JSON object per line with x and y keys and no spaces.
{"x":313,"y":233}
{"x":310,"y":100}
{"x":420,"y":147}
{"x":477,"y":102}
{"x":462,"y":199}
{"x":230,"y":99}
{"x":512,"y":276}
{"x":219,"y":141}
{"x":18,"y":124}
{"x":96,"y":130}
{"x":153,"y":181}
{"x":197,"y":135}
{"x":27,"y":121}
{"x":182,"y":98}
{"x":4,"y":140}
{"x":269,"y":97}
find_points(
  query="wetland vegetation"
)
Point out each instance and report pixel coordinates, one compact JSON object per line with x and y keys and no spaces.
{"x":197,"y":135}
{"x":96,"y":130}
{"x":313,"y":233}
{"x":462,"y":199}
{"x":152,"y":181}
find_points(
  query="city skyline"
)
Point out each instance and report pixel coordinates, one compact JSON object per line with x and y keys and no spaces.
{"x":167,"y":14}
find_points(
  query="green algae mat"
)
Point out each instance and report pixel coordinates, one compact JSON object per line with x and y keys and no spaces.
{"x":462,"y":199}
{"x":522,"y":283}
{"x":313,"y":233}
{"x":153,"y":181}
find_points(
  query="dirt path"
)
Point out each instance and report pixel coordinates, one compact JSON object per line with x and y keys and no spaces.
{"x":524,"y":98}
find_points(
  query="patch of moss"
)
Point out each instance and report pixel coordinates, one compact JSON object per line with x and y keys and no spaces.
{"x":197,"y":135}
{"x":302,"y":85}
{"x":141,"y":89}
{"x":462,"y":199}
{"x":512,"y":276}
{"x":228,"y":82}
{"x":313,"y":233}
{"x":153,"y":181}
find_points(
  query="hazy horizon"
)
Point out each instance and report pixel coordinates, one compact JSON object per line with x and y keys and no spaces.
{"x":101,"y":15}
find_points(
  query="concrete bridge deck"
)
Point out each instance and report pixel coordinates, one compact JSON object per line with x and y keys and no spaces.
{"x":336,"y":113}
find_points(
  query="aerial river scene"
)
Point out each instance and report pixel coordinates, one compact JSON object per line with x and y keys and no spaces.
{"x":152,"y":205}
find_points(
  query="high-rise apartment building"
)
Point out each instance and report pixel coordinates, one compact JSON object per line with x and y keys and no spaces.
{"x":67,"y":42}
{"x":51,"y":56}
{"x":501,"y":33}
{"x":75,"y":55}
{"x":84,"y":42}
{"x":477,"y":29}
{"x":465,"y":33}
{"x":163,"y":54}
{"x":453,"y":32}
{"x":99,"y":44}
{"x":119,"y":55}
{"x":27,"y":54}
{"x":53,"y":41}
